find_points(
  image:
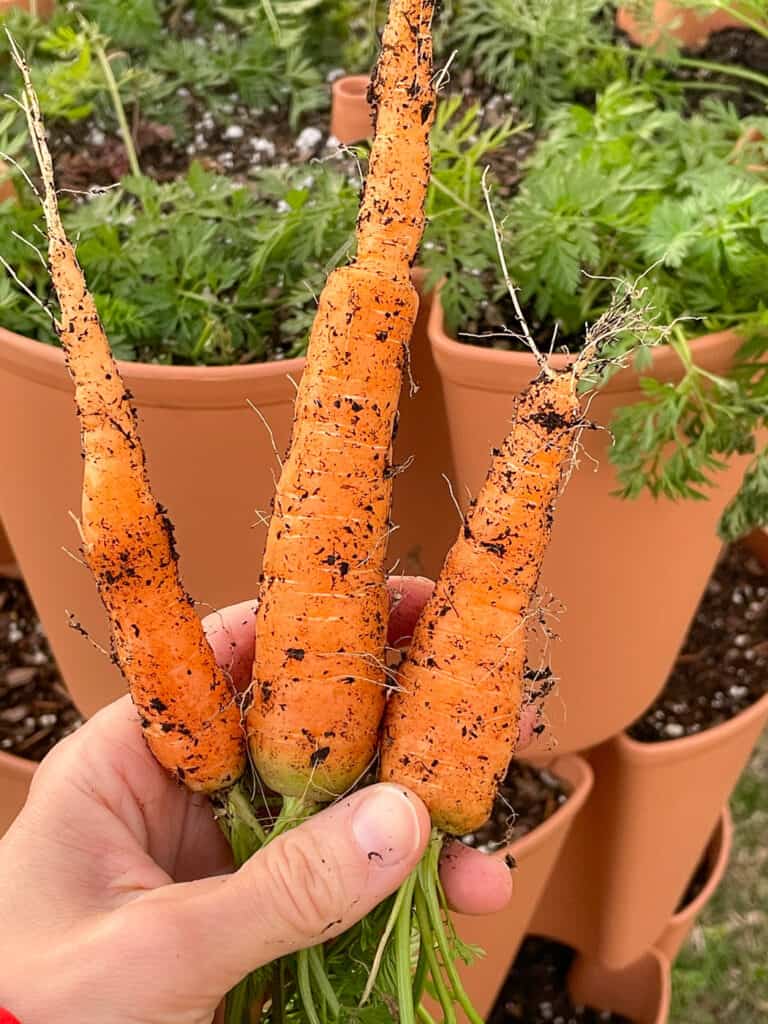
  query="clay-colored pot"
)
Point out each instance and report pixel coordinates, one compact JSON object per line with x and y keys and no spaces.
{"x":500,"y":935}
{"x":675,"y":935}
{"x":691,"y":29}
{"x":351,"y":113}
{"x":40,"y":8}
{"x":608,"y":564}
{"x":211,"y":462}
{"x":15,"y":776}
{"x":7,"y":187}
{"x":629,"y":858}
{"x":641,"y":992}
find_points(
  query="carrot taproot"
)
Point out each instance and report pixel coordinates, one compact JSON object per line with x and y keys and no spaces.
{"x":187,"y":705}
{"x":451,"y":725}
{"x":319,"y":677}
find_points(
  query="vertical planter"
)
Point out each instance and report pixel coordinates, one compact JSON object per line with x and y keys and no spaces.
{"x":641,"y":992}
{"x":618,"y":645}
{"x":718,"y":852}
{"x":15,"y":776}
{"x":629,"y":858}
{"x":691,"y":29}
{"x":500,"y":935}
{"x":351,"y":113}
{"x":211,"y":462}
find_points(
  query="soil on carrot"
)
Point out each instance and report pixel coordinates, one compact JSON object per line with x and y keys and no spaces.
{"x":740,"y":47}
{"x":723,"y":667}
{"x":35,"y":708}
{"x":535,"y":991}
{"x":526,"y":798}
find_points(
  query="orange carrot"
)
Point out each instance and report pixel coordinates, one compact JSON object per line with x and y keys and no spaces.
{"x":189,"y":712}
{"x":319,"y":678}
{"x":451,"y":726}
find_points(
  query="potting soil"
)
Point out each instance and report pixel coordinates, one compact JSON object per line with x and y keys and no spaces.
{"x":741,"y":47}
{"x":526,"y":798}
{"x":535,"y":991}
{"x":723,"y":667}
{"x":35,"y":708}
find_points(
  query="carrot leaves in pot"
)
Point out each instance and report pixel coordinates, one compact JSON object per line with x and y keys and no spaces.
{"x":202,"y":270}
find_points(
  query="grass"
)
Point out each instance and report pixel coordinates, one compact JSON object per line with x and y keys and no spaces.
{"x":721,"y":976}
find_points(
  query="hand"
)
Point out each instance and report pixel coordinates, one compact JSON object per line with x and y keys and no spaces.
{"x":117,"y":897}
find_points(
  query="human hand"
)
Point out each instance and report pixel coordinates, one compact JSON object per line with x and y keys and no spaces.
{"x":117,"y":896}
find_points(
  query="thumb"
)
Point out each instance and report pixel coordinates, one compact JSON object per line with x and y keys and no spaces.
{"x":309,"y":885}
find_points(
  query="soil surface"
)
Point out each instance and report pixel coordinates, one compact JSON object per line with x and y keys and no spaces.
{"x":741,"y":47}
{"x":35,"y":709}
{"x":723,"y":668}
{"x":526,"y":798}
{"x":506,"y":163}
{"x":535,"y":990}
{"x":250,"y":139}
{"x":496,"y":326}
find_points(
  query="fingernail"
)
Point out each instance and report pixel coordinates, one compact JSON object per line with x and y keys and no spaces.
{"x":386,"y":826}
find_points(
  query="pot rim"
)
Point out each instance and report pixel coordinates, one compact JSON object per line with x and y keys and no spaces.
{"x":171,"y":387}
{"x":572,"y":768}
{"x":18,"y":767}
{"x":352,"y":87}
{"x":480,"y":367}
{"x":719,"y":847}
{"x":672,"y":750}
{"x":663,"y":968}
{"x":638,"y":752}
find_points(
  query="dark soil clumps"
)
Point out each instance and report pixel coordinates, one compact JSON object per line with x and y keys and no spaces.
{"x":35,"y":708}
{"x":535,"y":991}
{"x":496,"y":326}
{"x":723,"y":668}
{"x":526,"y":798}
{"x":742,"y":48}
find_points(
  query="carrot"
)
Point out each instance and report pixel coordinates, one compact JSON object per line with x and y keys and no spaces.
{"x":452,"y":725}
{"x":319,"y":678}
{"x":189,"y":712}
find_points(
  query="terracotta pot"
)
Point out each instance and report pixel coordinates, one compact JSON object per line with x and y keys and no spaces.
{"x":351,"y":113}
{"x":7,"y":188}
{"x":609,"y":560}
{"x":500,"y":935}
{"x":691,"y":29}
{"x":40,"y":8}
{"x":628,"y":860}
{"x":641,"y":992}
{"x":675,"y":935}
{"x":15,"y":776}
{"x":211,"y":463}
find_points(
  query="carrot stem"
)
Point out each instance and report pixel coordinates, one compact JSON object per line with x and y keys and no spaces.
{"x":117,"y":103}
{"x":444,"y":997}
{"x":317,"y":967}
{"x":403,"y":952}
{"x":304,"y":981}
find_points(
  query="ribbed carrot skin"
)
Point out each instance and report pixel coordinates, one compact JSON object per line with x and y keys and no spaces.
{"x":451,"y":727}
{"x":319,"y":678}
{"x":188,"y":708}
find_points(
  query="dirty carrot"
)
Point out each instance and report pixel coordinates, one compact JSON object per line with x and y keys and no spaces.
{"x":320,"y":679}
{"x":188,"y":710}
{"x":452,"y":724}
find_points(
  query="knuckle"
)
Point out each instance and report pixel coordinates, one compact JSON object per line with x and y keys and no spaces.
{"x":306,"y":890}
